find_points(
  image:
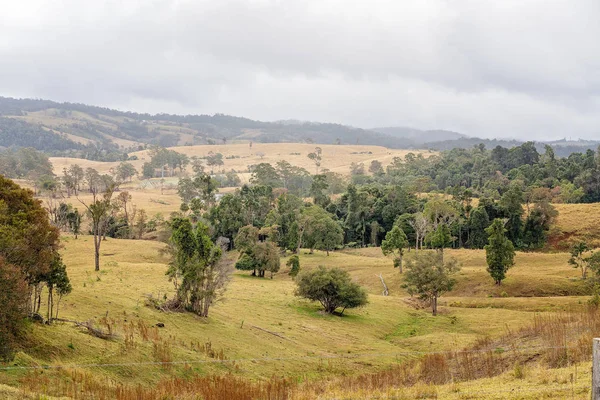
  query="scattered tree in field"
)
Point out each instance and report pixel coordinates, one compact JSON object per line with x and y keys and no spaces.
{"x":123,"y":202}
{"x":126,"y":171}
{"x":578,"y":258}
{"x":333,"y":288}
{"x":294,"y":263}
{"x":57,"y":282}
{"x":196,"y":269}
{"x":141,"y":223}
{"x":258,"y":257}
{"x":148,"y":170}
{"x":376,"y":168}
{"x":213,"y":160}
{"x":394,"y":243}
{"x":499,"y":252}
{"x":429,"y":277}
{"x":165,"y":159}
{"x":357,"y":168}
{"x":316,"y":156}
{"x":72,"y":179}
{"x":99,"y":211}
{"x":594,"y":264}
{"x":93,"y":180}
{"x":74,"y":221}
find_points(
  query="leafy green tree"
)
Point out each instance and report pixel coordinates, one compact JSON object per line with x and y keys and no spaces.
{"x":199,"y":275}
{"x":214,"y":160}
{"x":511,"y":205}
{"x":499,"y":252}
{"x":440,"y":239}
{"x":199,"y":193}
{"x":99,"y":211}
{"x":538,"y":224}
{"x":74,"y":221}
{"x":578,"y":258}
{"x":28,"y":247}
{"x":316,"y":157}
{"x":478,"y":222}
{"x":14,"y":296}
{"x":376,"y":168}
{"x":429,"y":276}
{"x":395,"y":242}
{"x":333,"y":288}
{"x":294,"y":263}
{"x":296,"y":180}
{"x":357,"y":168}
{"x":318,"y":190}
{"x":318,"y":230}
{"x":126,"y":171}
{"x":264,"y":174}
{"x":256,"y":256}
{"x":57,"y":282}
{"x":148,"y":170}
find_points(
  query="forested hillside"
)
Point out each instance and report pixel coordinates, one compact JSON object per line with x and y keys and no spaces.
{"x":98,"y":133}
{"x":67,"y":126}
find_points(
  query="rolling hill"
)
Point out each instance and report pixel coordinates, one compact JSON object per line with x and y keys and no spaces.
{"x":75,"y":127}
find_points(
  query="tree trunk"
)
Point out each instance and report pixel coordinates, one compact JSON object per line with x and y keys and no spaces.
{"x":434,"y":304}
{"x":97,"y":241}
{"x":49,"y":311}
{"x":400,"y":263}
{"x":416,"y":243}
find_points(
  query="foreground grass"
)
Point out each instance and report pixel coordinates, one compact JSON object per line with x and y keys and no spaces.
{"x":261,"y":329}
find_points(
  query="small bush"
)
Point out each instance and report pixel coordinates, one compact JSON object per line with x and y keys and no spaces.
{"x":294,"y":263}
{"x":333,"y":288}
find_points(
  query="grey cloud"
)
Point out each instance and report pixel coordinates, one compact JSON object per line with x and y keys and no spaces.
{"x":487,"y":68}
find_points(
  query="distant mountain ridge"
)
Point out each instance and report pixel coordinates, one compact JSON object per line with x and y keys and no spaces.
{"x":124,"y":130}
{"x":93,"y":132}
{"x":419,"y":136}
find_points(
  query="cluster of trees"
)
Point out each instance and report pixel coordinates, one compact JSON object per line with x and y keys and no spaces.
{"x":296,"y":180}
{"x":29,"y":263}
{"x":491,"y":173}
{"x":164,"y":160}
{"x":372,"y":214}
{"x":26,"y":163}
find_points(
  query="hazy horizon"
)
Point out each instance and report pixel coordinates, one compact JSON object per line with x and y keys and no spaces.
{"x":524,"y":70}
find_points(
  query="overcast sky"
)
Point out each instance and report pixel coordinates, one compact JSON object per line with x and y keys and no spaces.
{"x":497,"y":68}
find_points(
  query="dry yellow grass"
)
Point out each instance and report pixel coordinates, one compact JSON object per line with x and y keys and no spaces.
{"x":58,"y":163}
{"x":262,"y":320}
{"x":335,"y":158}
{"x":575,"y":223}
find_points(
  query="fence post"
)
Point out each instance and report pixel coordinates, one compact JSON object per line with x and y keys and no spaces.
{"x":596,"y":370}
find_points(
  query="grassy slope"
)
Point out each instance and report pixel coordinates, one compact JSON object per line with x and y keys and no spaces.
{"x":243,"y":326}
{"x":575,"y":223}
